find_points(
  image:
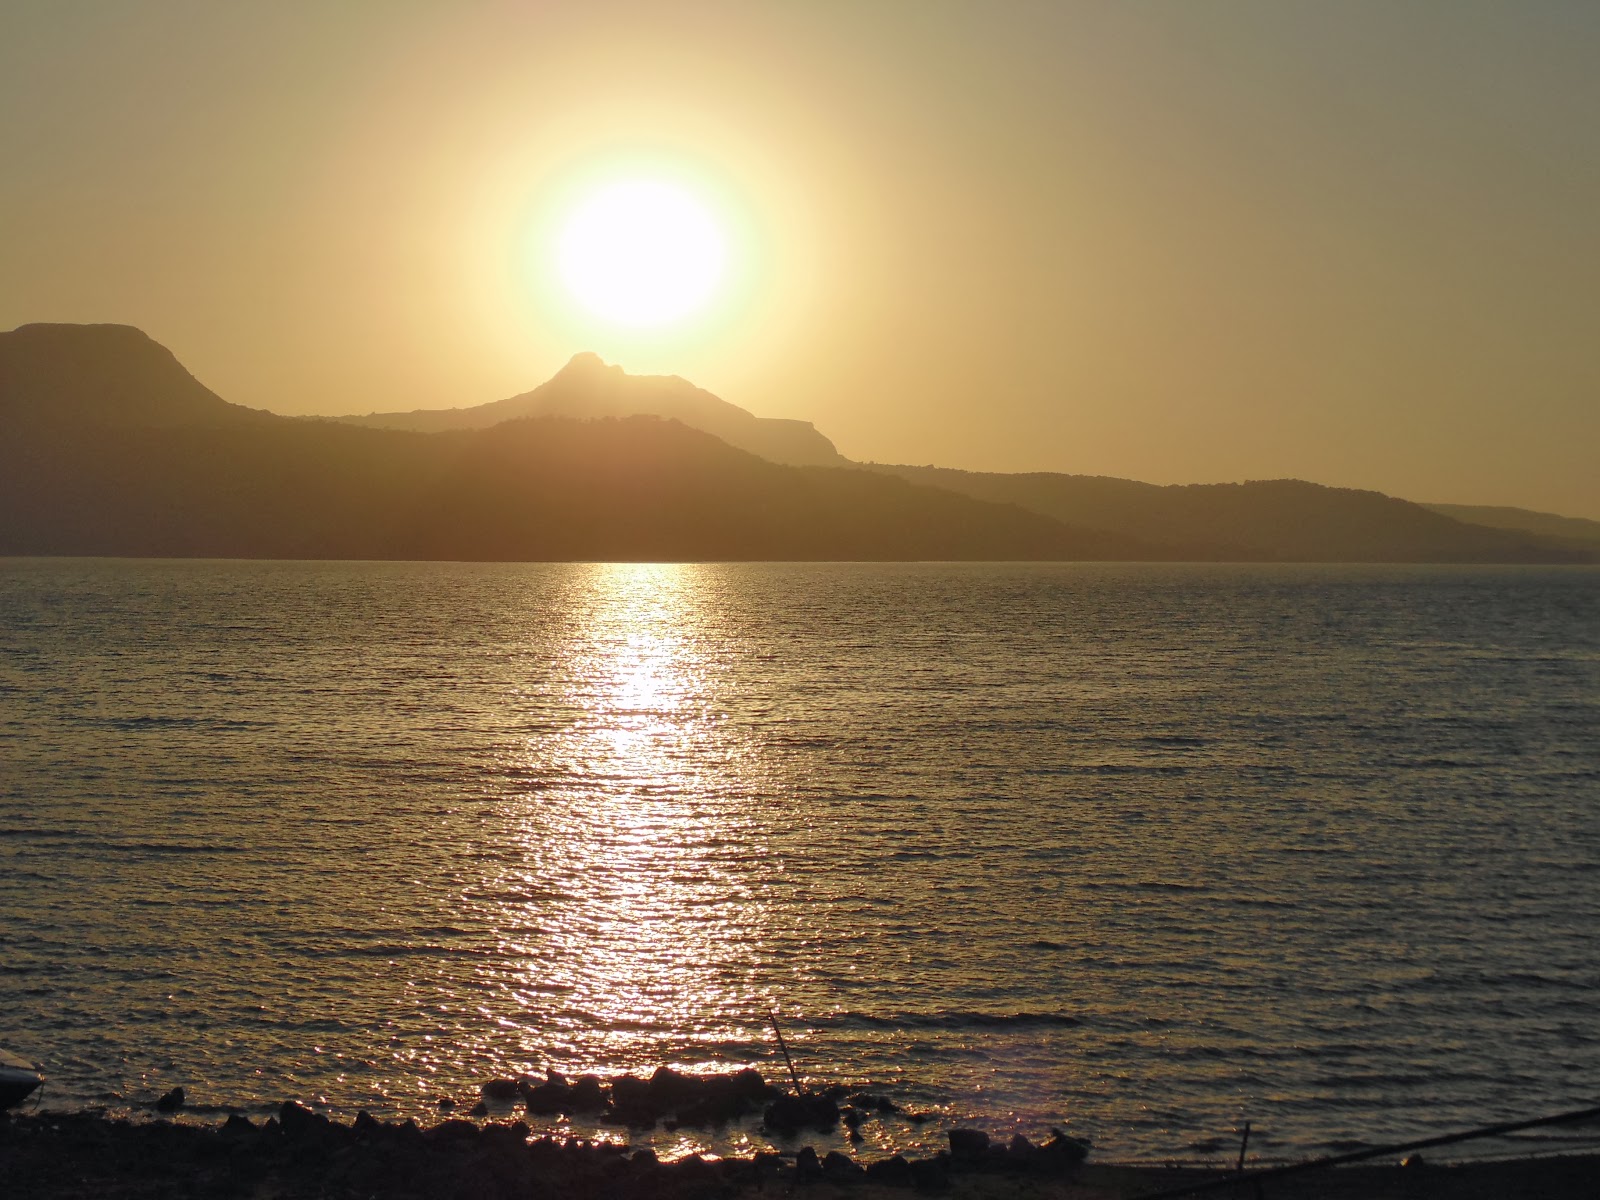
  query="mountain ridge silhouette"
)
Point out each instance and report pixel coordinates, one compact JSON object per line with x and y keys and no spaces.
{"x":91,"y":463}
{"x":110,"y":446}
{"x":587,"y":387}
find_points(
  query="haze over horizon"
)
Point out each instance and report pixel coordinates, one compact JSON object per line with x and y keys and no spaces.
{"x":1352,"y":244}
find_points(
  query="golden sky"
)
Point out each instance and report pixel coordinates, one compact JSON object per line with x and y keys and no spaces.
{"x":1351,"y":242}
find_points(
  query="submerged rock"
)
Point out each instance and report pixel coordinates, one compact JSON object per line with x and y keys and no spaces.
{"x":870,"y":1101}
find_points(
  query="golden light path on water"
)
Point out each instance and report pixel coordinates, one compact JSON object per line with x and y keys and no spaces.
{"x":639,"y":808}
{"x":1141,"y":852}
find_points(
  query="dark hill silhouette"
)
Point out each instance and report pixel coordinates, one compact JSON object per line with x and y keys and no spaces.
{"x":107,"y":447}
{"x":557,"y":489}
{"x":1283,"y":520}
{"x":587,"y":387}
{"x":106,"y":375}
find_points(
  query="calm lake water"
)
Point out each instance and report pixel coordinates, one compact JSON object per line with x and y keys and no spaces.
{"x":1140,"y":851}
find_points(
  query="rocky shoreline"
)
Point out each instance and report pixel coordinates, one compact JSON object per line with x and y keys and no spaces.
{"x":302,"y":1154}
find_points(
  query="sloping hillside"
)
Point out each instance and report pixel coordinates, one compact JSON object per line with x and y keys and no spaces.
{"x":1285,"y":520}
{"x":1577,"y":532}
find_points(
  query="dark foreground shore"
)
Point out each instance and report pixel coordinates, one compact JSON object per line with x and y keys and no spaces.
{"x":305,"y":1155}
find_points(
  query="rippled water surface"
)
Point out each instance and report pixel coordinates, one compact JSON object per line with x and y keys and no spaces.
{"x":1143,"y":851}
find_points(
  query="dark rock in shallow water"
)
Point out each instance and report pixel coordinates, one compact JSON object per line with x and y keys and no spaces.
{"x":895,"y":1172}
{"x":171,"y":1102}
{"x":968,"y":1143}
{"x":807,"y":1165}
{"x":1063,"y":1153}
{"x":790,"y":1114}
{"x":453,"y":1131}
{"x":237,"y":1124}
{"x":712,"y":1110}
{"x":748,"y":1085}
{"x":669,"y":1089}
{"x":587,"y":1095}
{"x":502,"y":1091}
{"x":296,"y":1120}
{"x":695,"y":1172}
{"x":512,"y":1137}
{"x":631,"y":1104}
{"x":841,"y":1167}
{"x":931,"y":1174}
{"x":552,"y":1096}
{"x":480,"y":1109}
{"x":869,"y":1101}
{"x":628,"y":1091}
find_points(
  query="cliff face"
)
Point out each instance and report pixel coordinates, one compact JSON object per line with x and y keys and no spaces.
{"x":587,"y":388}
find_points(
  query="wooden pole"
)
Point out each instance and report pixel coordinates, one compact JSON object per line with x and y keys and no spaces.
{"x":782,"y":1045}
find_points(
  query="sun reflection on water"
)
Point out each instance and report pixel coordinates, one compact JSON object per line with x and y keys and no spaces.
{"x":629,"y":840}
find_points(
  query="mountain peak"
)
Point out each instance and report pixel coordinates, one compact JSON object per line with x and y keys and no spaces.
{"x":588,"y":363}
{"x":589,"y":388}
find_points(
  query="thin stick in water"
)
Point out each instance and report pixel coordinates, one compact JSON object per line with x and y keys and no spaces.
{"x":782,"y":1045}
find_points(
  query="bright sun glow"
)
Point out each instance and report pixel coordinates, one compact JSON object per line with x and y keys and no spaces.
{"x":641,"y":253}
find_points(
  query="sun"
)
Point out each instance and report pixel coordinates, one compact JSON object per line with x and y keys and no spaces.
{"x":642,"y":253}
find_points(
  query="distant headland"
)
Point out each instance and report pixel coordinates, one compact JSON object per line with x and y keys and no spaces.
{"x":108,"y":446}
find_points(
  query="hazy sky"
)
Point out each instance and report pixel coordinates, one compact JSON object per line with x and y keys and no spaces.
{"x":1357,"y":243}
